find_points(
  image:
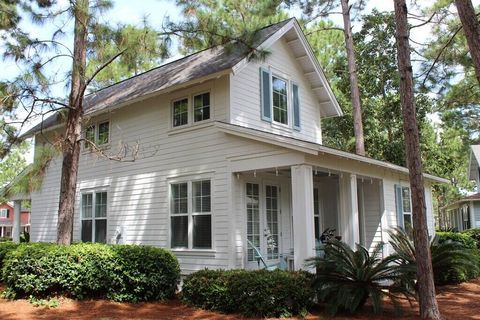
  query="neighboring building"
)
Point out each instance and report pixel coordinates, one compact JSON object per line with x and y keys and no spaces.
{"x":465,"y":213}
{"x":227,"y":149}
{"x":6,"y":220}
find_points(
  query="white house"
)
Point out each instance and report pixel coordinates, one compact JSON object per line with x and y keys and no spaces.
{"x":465,"y":213}
{"x":228,"y":150}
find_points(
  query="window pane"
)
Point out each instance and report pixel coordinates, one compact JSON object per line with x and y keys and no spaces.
{"x":279,"y":88}
{"x":90,"y":136}
{"x":406,"y":199}
{"x":87,"y":206}
{"x":201,"y":196}
{"x":407,"y":221}
{"x":101,"y":230}
{"x":179,"y":200}
{"x":317,"y":228}
{"x":179,"y":232}
{"x":202,"y":232}
{"x":86,"y":230}
{"x":101,"y":204}
{"x":253,"y":218}
{"x":103,"y":129}
{"x":272,"y":213}
{"x":180,"y":112}
{"x":201,"y":107}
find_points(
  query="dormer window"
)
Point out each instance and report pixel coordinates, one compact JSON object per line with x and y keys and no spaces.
{"x":279,"y":99}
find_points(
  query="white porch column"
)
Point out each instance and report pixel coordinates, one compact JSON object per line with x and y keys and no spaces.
{"x":349,"y":223}
{"x":17,"y":208}
{"x":302,"y":211}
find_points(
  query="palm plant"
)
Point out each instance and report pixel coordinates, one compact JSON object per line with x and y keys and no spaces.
{"x":346,"y":278}
{"x":451,"y":261}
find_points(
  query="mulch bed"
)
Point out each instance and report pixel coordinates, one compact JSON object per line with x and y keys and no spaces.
{"x":456,"y":302}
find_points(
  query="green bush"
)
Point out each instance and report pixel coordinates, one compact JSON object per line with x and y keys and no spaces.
{"x":123,"y":273}
{"x":474,"y":234}
{"x":6,"y":247}
{"x":462,"y":238}
{"x":346,"y":278}
{"x":251,"y":293}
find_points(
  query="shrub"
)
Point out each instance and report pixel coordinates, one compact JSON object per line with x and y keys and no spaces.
{"x":345,"y":278}
{"x":126,"y":273}
{"x":474,"y":234}
{"x":6,"y":247}
{"x":452,"y":261}
{"x":463,"y":239}
{"x":251,"y":293}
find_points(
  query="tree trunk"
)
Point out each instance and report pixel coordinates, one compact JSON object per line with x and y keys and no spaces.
{"x":426,"y":287}
{"x":471,"y":27}
{"x":352,"y":71}
{"x":71,"y":143}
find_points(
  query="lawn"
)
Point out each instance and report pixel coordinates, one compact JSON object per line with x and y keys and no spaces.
{"x":456,"y":302}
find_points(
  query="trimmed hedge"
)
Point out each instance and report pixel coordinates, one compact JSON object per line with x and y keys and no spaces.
{"x":474,"y":234}
{"x":122,"y":273}
{"x":464,"y":239}
{"x":251,"y":293}
{"x":6,"y":247}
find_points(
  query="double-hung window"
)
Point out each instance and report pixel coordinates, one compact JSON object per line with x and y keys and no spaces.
{"x":191,"y":214}
{"x":98,"y":134}
{"x":279,"y":99}
{"x":94,"y":216}
{"x":404,"y":206}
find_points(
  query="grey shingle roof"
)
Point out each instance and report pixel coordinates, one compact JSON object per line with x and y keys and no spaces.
{"x":195,"y":66}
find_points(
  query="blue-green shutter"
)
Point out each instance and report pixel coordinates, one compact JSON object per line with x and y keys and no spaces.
{"x":296,"y":107}
{"x":266,"y":94}
{"x":399,"y":205}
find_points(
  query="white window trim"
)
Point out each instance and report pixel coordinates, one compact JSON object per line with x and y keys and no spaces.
{"x":3,"y":213}
{"x":189,"y":179}
{"x":96,"y":123}
{"x":191,"y":123}
{"x":93,"y":191}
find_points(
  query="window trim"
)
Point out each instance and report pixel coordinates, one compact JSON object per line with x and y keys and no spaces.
{"x":97,"y":124}
{"x":93,"y":192}
{"x":190,"y":180}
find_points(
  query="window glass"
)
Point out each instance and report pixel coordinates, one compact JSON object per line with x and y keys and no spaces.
{"x":179,"y":201}
{"x":101,"y":230}
{"x":101,"y":204}
{"x":279,"y":88}
{"x":87,"y":205}
{"x":3,"y":213}
{"x":103,"y":130}
{"x":201,"y":196}
{"x":180,"y":112}
{"x":179,"y":232}
{"x":202,"y":231}
{"x":86,"y":230}
{"x":253,"y":218}
{"x":406,"y":199}
{"x":201,"y":107}
{"x":89,"y":136}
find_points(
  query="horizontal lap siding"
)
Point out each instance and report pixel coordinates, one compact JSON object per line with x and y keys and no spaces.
{"x":138,"y":191}
{"x":245,"y":96}
{"x":372,"y":214}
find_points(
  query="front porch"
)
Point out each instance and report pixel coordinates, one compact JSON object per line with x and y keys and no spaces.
{"x":285,"y":210}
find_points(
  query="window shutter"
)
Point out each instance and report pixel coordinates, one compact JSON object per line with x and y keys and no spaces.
{"x":8,"y":213}
{"x":399,"y":205}
{"x":266,"y":94}
{"x":296,"y":107}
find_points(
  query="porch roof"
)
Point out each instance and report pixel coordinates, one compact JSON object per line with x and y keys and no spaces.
{"x":312,"y":148}
{"x":474,"y":197}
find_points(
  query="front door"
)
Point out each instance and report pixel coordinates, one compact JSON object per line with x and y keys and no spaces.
{"x":263,"y":222}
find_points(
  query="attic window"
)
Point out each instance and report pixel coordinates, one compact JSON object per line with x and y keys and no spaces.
{"x":98,"y":133}
{"x":279,"y":94}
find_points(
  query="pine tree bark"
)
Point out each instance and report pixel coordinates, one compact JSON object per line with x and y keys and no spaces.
{"x":471,"y":28}
{"x":426,"y":287}
{"x":352,"y":71}
{"x":71,"y":142}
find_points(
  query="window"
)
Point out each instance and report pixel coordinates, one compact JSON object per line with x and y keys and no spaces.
{"x":98,"y":134}
{"x":404,"y":207}
{"x":4,"y":213}
{"x":191,"y":214}
{"x":94,"y":217}
{"x":253,"y":218}
{"x":180,"y":112}
{"x":279,"y":99}
{"x":316,"y":215}
{"x":201,"y":107}
{"x":279,"y":95}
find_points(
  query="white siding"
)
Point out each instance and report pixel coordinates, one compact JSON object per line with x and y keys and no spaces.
{"x":371,"y":207}
{"x":245,"y":96}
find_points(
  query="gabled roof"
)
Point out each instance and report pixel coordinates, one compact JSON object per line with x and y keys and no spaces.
{"x":474,"y":165}
{"x":202,"y":66}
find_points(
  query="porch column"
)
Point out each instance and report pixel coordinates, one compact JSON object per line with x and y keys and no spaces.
{"x":302,"y":206}
{"x":349,"y":223}
{"x":17,"y":208}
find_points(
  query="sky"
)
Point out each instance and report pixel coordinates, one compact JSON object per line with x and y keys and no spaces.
{"x":156,"y":11}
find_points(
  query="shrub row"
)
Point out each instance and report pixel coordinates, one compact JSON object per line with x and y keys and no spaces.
{"x":474,"y":234}
{"x":463,"y":239}
{"x":120,"y":272}
{"x":250,"y":292}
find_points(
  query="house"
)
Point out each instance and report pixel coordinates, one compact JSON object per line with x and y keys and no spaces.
{"x":465,"y":213}
{"x":7,"y":214}
{"x":224,"y":150}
